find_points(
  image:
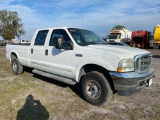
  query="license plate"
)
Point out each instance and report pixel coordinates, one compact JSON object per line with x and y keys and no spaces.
{"x":149,"y":82}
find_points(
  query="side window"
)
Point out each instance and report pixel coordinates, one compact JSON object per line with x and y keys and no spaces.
{"x":58,"y":33}
{"x":41,"y":37}
{"x":77,"y":37}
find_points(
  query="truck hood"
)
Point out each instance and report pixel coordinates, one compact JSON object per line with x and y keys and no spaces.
{"x":121,"y":52}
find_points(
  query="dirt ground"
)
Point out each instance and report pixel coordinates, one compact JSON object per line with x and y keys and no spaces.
{"x":33,"y":97}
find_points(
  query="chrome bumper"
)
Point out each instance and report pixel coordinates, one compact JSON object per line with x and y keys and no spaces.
{"x":128,"y":83}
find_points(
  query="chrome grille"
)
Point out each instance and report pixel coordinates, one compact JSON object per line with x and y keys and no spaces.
{"x":142,"y":63}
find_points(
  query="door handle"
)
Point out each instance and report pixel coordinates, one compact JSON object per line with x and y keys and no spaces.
{"x":46,"y":52}
{"x":31,"y":50}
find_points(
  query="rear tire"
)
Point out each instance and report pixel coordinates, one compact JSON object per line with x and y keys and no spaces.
{"x":95,"y":88}
{"x":17,"y":68}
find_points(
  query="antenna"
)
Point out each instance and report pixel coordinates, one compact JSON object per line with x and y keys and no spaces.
{"x":82,"y":19}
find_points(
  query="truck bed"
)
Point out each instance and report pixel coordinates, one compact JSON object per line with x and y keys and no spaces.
{"x":22,"y":52}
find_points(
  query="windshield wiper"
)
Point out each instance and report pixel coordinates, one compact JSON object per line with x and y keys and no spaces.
{"x":94,"y":43}
{"x":102,"y":43}
{"x":91,"y":43}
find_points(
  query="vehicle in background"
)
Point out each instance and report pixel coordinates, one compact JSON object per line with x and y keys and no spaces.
{"x":25,"y":41}
{"x":118,"y":43}
{"x":1,"y":42}
{"x":156,"y":36}
{"x":15,"y":41}
{"x":122,"y":35}
{"x":140,"y":39}
{"x":4,"y":42}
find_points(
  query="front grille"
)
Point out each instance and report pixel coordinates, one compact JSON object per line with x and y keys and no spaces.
{"x":142,"y":63}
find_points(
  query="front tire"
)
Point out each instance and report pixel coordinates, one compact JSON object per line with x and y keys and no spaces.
{"x":95,"y":88}
{"x":17,"y":68}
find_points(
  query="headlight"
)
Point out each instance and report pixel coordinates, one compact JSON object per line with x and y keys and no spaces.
{"x":126,"y":65}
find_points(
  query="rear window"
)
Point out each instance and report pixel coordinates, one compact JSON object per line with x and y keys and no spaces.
{"x":41,"y":37}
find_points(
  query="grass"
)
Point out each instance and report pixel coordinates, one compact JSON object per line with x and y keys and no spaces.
{"x":15,"y":89}
{"x":30,"y":96}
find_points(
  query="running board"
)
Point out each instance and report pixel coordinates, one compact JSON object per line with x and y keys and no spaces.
{"x":55,"y":77}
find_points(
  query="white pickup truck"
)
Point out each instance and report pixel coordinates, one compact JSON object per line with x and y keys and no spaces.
{"x":73,"y":55}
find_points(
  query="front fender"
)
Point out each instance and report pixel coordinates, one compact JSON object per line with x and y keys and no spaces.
{"x":100,"y":62}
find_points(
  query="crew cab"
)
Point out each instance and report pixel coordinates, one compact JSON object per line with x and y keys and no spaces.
{"x":79,"y":56}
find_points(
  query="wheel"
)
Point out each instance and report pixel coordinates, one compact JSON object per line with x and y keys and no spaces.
{"x":95,"y":88}
{"x":17,"y":68}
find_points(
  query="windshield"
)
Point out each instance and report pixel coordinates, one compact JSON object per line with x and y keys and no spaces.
{"x":112,"y":36}
{"x":85,"y":37}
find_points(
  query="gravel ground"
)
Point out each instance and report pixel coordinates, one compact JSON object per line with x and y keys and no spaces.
{"x":29,"y":96}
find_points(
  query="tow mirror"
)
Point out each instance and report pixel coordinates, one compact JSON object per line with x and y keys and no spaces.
{"x":60,"y":44}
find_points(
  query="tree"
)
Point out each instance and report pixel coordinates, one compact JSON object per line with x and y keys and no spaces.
{"x":10,"y":25}
{"x":118,"y":27}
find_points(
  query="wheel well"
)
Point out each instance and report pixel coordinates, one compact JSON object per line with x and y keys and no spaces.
{"x":13,"y":55}
{"x":92,"y":67}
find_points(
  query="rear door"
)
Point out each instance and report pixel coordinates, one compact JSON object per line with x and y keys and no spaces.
{"x":37,"y":50}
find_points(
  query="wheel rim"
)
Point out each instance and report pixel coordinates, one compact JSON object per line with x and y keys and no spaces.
{"x":93,"y":89}
{"x":15,"y":67}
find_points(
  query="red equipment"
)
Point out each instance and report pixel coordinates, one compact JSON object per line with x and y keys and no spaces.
{"x":140,"y":39}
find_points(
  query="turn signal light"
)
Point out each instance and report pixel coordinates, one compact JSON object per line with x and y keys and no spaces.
{"x":119,"y":69}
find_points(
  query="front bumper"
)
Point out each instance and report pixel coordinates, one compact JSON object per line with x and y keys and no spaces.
{"x":128,"y":83}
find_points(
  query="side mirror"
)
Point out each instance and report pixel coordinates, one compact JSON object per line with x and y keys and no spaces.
{"x":60,"y":44}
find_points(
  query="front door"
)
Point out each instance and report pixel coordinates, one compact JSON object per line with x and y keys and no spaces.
{"x":59,"y":61}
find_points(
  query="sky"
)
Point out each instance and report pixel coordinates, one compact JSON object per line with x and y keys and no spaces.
{"x":96,"y":15}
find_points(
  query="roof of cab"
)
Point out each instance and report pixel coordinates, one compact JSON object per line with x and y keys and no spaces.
{"x":57,"y":28}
